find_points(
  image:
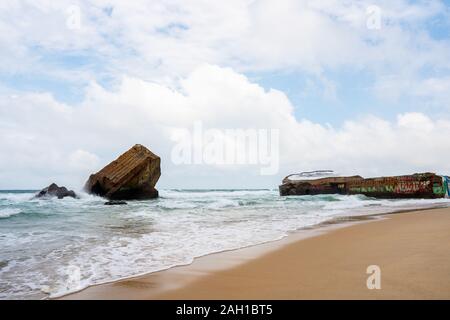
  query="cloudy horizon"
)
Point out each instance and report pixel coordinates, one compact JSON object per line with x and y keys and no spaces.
{"x":359,"y":87}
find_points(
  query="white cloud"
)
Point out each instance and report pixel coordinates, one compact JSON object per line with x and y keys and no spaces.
{"x":431,"y":91}
{"x":82,"y":160}
{"x":43,"y":140}
{"x":162,"y":59}
{"x":161,"y":41}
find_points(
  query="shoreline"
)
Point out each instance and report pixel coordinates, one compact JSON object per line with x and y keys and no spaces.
{"x":165,"y":283}
{"x":255,"y":250}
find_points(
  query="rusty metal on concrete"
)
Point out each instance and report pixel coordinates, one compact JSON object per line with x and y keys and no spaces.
{"x":419,"y":185}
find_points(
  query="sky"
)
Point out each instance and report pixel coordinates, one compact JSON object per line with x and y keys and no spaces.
{"x":358,"y":87}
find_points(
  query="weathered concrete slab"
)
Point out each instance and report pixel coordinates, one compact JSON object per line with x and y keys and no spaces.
{"x":418,"y":185}
{"x":131,"y":176}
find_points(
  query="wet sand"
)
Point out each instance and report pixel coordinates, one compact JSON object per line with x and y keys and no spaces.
{"x":412,"y":250}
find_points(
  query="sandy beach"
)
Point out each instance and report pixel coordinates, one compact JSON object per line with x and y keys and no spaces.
{"x":412,"y":250}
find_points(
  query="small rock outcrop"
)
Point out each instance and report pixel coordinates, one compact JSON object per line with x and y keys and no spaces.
{"x":54,"y":191}
{"x":132,"y":176}
{"x":115,"y":203}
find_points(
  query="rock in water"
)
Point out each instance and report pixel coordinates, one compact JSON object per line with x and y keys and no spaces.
{"x":115,"y":203}
{"x":54,"y":191}
{"x":132,"y":176}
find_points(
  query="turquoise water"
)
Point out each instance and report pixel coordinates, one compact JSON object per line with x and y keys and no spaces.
{"x":52,"y":247}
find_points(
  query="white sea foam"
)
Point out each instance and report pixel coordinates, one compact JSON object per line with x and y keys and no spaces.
{"x":14,"y":197}
{"x":8,"y":212}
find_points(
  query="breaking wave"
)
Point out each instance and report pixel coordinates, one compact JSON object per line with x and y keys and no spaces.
{"x":9,"y":212}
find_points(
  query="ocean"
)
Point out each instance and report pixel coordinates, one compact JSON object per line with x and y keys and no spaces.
{"x":49,"y":248}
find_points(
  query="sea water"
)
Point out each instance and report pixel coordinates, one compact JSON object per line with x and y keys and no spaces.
{"x":52,"y":247}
